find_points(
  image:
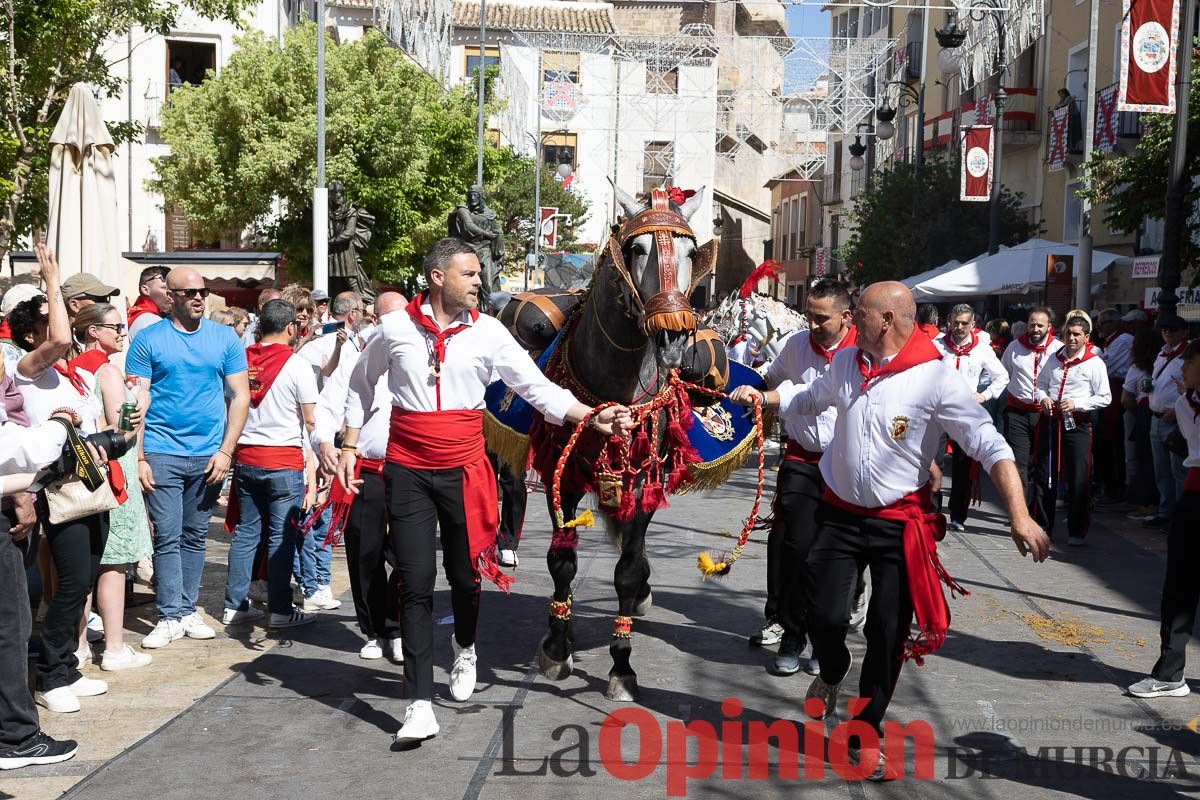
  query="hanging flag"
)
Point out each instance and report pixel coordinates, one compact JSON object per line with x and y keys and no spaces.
{"x":983,"y":110}
{"x":977,"y":164}
{"x":1105,"y":138}
{"x":1060,"y":124}
{"x":1149,"y":41}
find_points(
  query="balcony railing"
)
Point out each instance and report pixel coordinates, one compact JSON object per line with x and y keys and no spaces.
{"x":1129,"y":124}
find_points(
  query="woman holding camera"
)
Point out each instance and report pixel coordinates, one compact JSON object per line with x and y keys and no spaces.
{"x":100,"y":332}
{"x":49,"y":385}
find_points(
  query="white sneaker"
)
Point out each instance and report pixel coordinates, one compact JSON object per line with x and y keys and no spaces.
{"x":827,"y":693}
{"x":396,"y":648}
{"x":419,"y":723}
{"x":1149,"y":687}
{"x":508,"y":558}
{"x":321,"y":600}
{"x":84,"y":656}
{"x":61,"y":700}
{"x":258,"y":591}
{"x":194,"y":627}
{"x":232,"y":616}
{"x":125,"y":658}
{"x":290,"y":620}
{"x":371,"y":650}
{"x":87,"y":687}
{"x":462,"y":673}
{"x":95,"y":628}
{"x":165,"y":632}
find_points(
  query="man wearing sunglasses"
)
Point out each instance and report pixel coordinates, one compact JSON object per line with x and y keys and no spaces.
{"x":184,"y":371}
{"x":84,"y":289}
{"x":154,"y":300}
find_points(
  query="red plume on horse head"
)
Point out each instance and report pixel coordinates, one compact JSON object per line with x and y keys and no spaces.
{"x":768,"y":269}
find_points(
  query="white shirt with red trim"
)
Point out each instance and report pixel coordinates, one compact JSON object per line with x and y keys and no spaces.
{"x":1189,"y":426}
{"x":278,"y":420}
{"x":1086,"y":382}
{"x":1168,"y":378}
{"x":1023,"y":366}
{"x":800,"y":365}
{"x":483,"y":353}
{"x":885,"y":438}
{"x":331,"y":410}
{"x":980,"y":359}
{"x":1118,"y":354}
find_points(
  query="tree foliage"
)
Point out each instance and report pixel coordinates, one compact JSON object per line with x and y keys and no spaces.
{"x":511,"y":196}
{"x":907,"y":224}
{"x":48,"y":46}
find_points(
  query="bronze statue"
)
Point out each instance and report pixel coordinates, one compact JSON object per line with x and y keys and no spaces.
{"x":349,"y":232}
{"x":476,"y":224}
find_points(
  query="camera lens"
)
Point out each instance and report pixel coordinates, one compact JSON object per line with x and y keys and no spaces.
{"x":113,"y":443}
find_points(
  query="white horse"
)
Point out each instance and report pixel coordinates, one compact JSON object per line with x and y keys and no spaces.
{"x":762,"y":320}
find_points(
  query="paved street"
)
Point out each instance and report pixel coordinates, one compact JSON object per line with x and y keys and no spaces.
{"x":1034,"y":662}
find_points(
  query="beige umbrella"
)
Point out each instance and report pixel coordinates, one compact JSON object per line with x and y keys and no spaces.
{"x":83,"y":193}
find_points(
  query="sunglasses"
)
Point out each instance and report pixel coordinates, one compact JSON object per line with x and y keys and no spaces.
{"x":119,"y":327}
{"x":190,"y":293}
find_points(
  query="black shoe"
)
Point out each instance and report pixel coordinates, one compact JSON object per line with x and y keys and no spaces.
{"x":1156,"y":522}
{"x":812,"y":666}
{"x":39,"y":749}
{"x":787,"y":660}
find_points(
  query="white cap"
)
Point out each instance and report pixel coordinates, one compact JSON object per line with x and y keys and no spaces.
{"x":18,"y":294}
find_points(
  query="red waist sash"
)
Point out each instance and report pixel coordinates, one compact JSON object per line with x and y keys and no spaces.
{"x":269,"y":456}
{"x":796,"y":452}
{"x":371,"y":465}
{"x":922,"y":531}
{"x":1022,"y":405}
{"x":1192,"y":482}
{"x":451,"y":440}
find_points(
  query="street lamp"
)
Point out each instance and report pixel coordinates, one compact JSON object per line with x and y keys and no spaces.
{"x":907,"y":97}
{"x":564,"y":171}
{"x":857,"y":149}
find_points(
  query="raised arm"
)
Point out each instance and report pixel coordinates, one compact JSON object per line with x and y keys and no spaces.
{"x":58,"y":335}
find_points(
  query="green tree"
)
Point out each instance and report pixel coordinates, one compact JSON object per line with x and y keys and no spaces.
{"x":48,"y":46}
{"x":905,"y":225}
{"x":243,"y":147}
{"x":511,"y":197}
{"x":1132,"y":187}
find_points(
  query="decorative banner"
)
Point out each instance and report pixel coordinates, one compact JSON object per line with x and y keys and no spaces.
{"x":1106,"y":120}
{"x":977,"y":164}
{"x":1060,"y":124}
{"x":821,"y":259}
{"x":983,"y":110}
{"x":548,"y":227}
{"x":1059,"y":273}
{"x":1145,"y":267}
{"x":1149,"y":41}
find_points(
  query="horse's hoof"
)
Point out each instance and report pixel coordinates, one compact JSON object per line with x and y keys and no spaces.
{"x":644,"y":605}
{"x":622,"y":688}
{"x":554,"y":670}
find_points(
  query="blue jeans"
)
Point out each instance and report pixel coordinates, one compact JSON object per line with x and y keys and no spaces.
{"x":269,"y":502}
{"x":314,"y":563}
{"x":1169,"y":473}
{"x":180,"y":507}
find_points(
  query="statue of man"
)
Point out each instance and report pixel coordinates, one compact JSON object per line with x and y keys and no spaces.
{"x":349,"y":232}
{"x":476,"y":224}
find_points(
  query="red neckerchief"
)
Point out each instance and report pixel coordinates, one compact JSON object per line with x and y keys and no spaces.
{"x":144,"y":305}
{"x":440,"y":337}
{"x":1108,"y":340}
{"x":1061,"y":355}
{"x":264,"y":362}
{"x":964,"y":350}
{"x":917,"y":350}
{"x":1174,"y":352}
{"x":1037,"y":350}
{"x":5,"y":331}
{"x":71,"y":373}
{"x":847,"y":341}
{"x":930,"y":330}
{"x":89,"y":360}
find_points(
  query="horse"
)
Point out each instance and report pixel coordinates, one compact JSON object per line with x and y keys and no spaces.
{"x":762,"y":319}
{"x":633,"y":328}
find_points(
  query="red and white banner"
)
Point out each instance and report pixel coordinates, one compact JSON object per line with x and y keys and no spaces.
{"x":1105,"y":138}
{"x":983,"y":110}
{"x":977,"y":152}
{"x":1060,"y":126}
{"x":548,"y":227}
{"x":1149,"y":41}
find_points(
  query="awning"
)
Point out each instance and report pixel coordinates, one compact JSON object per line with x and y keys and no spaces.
{"x":213,"y":265}
{"x":1013,"y":270}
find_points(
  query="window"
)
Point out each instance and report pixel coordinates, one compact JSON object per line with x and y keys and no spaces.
{"x":560,"y":148}
{"x":658,"y":165}
{"x":187,"y":62}
{"x":560,"y":67}
{"x":797,"y":239}
{"x":491,"y":58}
{"x":662,"y":81}
{"x":784,"y":249}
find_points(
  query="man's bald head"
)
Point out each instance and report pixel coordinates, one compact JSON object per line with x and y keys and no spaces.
{"x":885,"y":318}
{"x":387,"y":302}
{"x":184,"y":278}
{"x":891,"y":296}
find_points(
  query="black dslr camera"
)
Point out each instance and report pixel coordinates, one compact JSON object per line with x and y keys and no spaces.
{"x":76,"y":460}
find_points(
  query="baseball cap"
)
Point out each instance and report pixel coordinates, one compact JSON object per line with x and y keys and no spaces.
{"x":1136,"y":315}
{"x":84,"y":283}
{"x":18,"y":294}
{"x":1171,"y":322}
{"x":320,"y":296}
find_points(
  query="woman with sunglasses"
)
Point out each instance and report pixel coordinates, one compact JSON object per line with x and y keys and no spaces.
{"x":100,"y":333}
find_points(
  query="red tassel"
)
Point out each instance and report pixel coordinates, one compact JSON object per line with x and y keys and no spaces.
{"x":490,"y":570}
{"x":652,"y":497}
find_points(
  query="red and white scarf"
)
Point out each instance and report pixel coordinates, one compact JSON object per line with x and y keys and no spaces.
{"x":440,"y":338}
{"x":961,"y":350}
{"x":144,"y":305}
{"x":849,"y":340}
{"x":917,"y":350}
{"x":265,"y":362}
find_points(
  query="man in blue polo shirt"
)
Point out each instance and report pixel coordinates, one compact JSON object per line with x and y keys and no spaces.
{"x":185,"y":369}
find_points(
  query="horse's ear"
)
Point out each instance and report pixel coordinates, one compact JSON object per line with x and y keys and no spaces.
{"x":692,"y":204}
{"x":631,"y":207}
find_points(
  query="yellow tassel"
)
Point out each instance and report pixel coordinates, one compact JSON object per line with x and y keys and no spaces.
{"x":709,"y":568}
{"x":584,"y":520}
{"x":511,"y":447}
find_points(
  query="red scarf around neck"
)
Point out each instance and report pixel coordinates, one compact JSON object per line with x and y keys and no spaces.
{"x":144,"y":305}
{"x":1174,"y":352}
{"x":1061,"y":355}
{"x":848,"y":340}
{"x":930,"y":330}
{"x":917,"y":350}
{"x":5,"y":331}
{"x":89,"y":361}
{"x":440,"y":337}
{"x":963,"y":350}
{"x":1108,"y":340}
{"x":264,"y":362}
{"x":1036,"y":349}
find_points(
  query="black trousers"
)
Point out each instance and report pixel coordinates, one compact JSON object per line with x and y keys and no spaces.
{"x":1028,"y":435}
{"x":376,"y":596}
{"x":797,"y":498}
{"x":1181,"y":590}
{"x":18,"y":714}
{"x":1108,"y":446}
{"x":513,"y":500}
{"x":76,"y":548}
{"x":1142,"y":489}
{"x":960,"y":483}
{"x":419,"y":502}
{"x":846,"y":543}
{"x":1072,"y":465}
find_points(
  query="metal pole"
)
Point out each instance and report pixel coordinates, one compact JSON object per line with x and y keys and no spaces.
{"x":1177,"y":185}
{"x":320,"y":230}
{"x":482,"y":91}
{"x":1083,"y":263}
{"x":919,"y":158}
{"x":129,"y":145}
{"x":537,"y":180}
{"x":997,"y":145}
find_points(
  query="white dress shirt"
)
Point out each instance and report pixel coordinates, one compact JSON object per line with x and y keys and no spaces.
{"x":1189,"y":426}
{"x":885,"y":438}
{"x":1023,"y":366}
{"x":1118,"y":354}
{"x":1086,"y":383}
{"x":800,"y":365}
{"x":1168,"y":379}
{"x":278,"y":420}
{"x":331,"y":410}
{"x":29,"y":449}
{"x":981,"y":358}
{"x":475,"y":357}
